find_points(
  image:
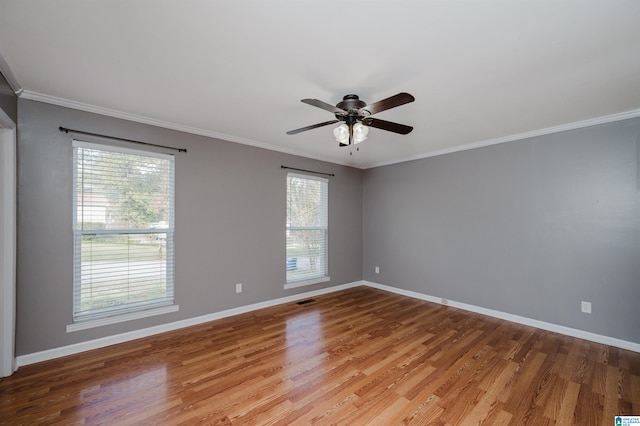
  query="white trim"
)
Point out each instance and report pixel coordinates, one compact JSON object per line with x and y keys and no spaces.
{"x":519,"y":136}
{"x":49,"y":354}
{"x":88,"y":316}
{"x":53,"y":100}
{"x":27,"y":94}
{"x":146,"y":332}
{"x":122,"y":318}
{"x":7,"y":244}
{"x":568,"y":331}
{"x":304,"y":283}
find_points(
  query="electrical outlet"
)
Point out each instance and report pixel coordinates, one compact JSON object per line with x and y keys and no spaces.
{"x":238,"y":288}
{"x":586,"y":307}
{"x":377,"y":269}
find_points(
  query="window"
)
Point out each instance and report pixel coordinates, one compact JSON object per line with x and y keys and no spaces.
{"x":123,"y":231}
{"x":307,"y":229}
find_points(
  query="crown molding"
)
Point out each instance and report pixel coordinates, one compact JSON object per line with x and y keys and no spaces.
{"x":519,"y":136}
{"x":81,"y":106}
{"x":34,"y":96}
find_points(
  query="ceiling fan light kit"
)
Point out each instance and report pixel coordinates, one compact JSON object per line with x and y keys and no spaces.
{"x":359,"y":133}
{"x":356,"y":117}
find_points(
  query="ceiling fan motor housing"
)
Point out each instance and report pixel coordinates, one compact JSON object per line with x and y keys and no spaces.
{"x":351,"y":104}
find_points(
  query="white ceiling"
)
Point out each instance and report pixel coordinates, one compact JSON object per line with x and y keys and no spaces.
{"x":481,"y":71}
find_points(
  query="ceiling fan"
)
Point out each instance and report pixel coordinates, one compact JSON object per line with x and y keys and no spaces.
{"x":356,"y":117}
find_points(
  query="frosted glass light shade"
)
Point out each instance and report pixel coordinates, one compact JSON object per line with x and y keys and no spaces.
{"x":341,"y":133}
{"x":360,"y":132}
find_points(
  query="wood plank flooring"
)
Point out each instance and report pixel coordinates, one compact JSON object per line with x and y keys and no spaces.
{"x":359,"y":356}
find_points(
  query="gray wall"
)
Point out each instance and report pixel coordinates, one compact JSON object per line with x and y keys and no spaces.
{"x":230,"y":217}
{"x":530,"y":228}
{"x":8,"y":100}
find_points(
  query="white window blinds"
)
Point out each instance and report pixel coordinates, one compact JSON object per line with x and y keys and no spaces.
{"x":123,"y":230}
{"x":307,"y":228}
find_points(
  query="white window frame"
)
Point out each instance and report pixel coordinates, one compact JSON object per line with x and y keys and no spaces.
{"x":131,"y":311}
{"x":293,"y":283}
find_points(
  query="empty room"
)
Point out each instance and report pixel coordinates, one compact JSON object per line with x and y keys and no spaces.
{"x":297,"y":212}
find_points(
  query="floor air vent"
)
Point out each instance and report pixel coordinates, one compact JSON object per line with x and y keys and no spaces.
{"x":304,"y":302}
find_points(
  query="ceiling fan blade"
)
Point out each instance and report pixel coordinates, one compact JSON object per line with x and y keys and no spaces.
{"x":325,"y":106}
{"x":385,"y":104}
{"x":388,"y":125}
{"x":313,"y":126}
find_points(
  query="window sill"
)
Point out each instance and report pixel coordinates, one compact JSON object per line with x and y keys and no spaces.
{"x":306,"y":282}
{"x":121,"y":318}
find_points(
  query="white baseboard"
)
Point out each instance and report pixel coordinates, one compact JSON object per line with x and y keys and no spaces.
{"x":568,"y":331}
{"x":146,"y":332}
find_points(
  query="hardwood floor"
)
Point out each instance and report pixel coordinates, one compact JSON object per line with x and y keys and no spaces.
{"x":359,"y":356}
